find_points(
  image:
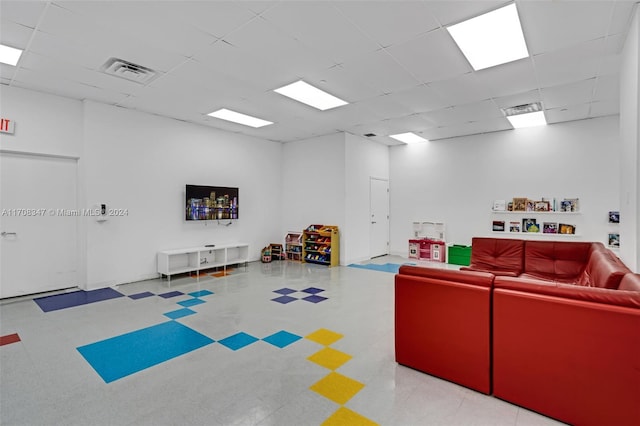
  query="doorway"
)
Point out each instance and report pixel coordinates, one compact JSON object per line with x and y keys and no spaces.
{"x":38,"y":224}
{"x":379,"y":211}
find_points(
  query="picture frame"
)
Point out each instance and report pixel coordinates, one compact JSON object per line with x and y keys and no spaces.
{"x":549,"y":228}
{"x":519,"y":204}
{"x":614,"y":240}
{"x":530,"y":225}
{"x":498,"y":226}
{"x":566,"y":228}
{"x":614,"y":217}
{"x":514,"y":226}
{"x":542,"y":206}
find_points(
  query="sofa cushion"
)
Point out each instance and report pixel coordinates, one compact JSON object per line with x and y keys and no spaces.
{"x":629,"y":298}
{"x":556,"y":260}
{"x":497,"y":256}
{"x":630,"y":282}
{"x":603,"y":270}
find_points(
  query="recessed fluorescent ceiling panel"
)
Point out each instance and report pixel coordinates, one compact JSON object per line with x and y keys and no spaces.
{"x":9,"y":55}
{"x":527,"y":120}
{"x":236,"y":117}
{"x":491,"y":39}
{"x":307,"y":94}
{"x":408,"y":137}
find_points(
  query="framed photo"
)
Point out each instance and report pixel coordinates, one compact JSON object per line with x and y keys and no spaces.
{"x":614,"y":240}
{"x":514,"y":226}
{"x":520,"y":204}
{"x":569,"y":205}
{"x":498,"y":226}
{"x":530,"y":225}
{"x":549,"y":228}
{"x":499,"y":205}
{"x":614,"y":217}
{"x":565,"y":228}
{"x":541,"y":206}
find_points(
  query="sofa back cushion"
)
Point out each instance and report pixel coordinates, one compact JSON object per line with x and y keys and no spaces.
{"x":603,"y":270}
{"x":496,"y":254}
{"x":630,"y":282}
{"x":561,"y":260}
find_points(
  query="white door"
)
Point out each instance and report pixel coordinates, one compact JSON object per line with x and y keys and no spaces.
{"x":379,"y":207}
{"x":38,"y":224}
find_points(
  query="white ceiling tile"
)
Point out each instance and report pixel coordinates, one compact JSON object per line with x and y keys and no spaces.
{"x":514,"y":77}
{"x":567,"y":113}
{"x":478,"y":111}
{"x":328,"y":31}
{"x":553,"y":25}
{"x":387,"y":107}
{"x":431,"y":57}
{"x":341,"y":83}
{"x":419,"y":99}
{"x":564,"y":66}
{"x":461,"y":90}
{"x":7,"y":71}
{"x":380,"y":71}
{"x":517,"y":99}
{"x":449,"y":12}
{"x":604,"y":108}
{"x":465,"y":129}
{"x":607,"y":87}
{"x":22,"y":12}
{"x":415,"y":123}
{"x":568,"y":94}
{"x":413,"y":16}
{"x":14,"y":35}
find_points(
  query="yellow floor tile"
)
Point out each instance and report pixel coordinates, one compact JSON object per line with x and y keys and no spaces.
{"x":324,"y":336}
{"x":329,"y":358}
{"x":345,"y":417}
{"x":337,"y":387}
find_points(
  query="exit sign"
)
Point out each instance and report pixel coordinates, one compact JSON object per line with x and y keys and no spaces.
{"x":7,"y":126}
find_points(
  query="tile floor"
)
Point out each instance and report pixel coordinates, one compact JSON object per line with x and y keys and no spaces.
{"x":254,"y":361}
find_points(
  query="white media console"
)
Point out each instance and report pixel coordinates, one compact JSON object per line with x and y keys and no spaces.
{"x":196,"y":259}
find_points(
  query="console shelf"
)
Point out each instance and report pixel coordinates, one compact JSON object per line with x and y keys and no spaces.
{"x":196,"y":259}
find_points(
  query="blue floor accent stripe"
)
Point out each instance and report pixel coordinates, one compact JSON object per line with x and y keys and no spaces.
{"x":387,"y":267}
{"x":130,"y":353}
{"x":200,"y":293}
{"x":282,"y":338}
{"x":191,"y":302}
{"x":238,"y":341}
{"x":76,"y":298}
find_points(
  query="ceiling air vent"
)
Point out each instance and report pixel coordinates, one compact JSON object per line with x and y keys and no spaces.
{"x":370,"y":135}
{"x":522,"y":109}
{"x":129,"y":71}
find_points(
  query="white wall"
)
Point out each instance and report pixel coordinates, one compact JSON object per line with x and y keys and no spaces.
{"x":364,"y":159}
{"x":629,"y":152}
{"x":44,"y":124}
{"x":313,"y":188}
{"x":141,"y":163}
{"x":456,"y":180}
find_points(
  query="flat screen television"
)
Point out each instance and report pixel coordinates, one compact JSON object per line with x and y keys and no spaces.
{"x":210,"y":202}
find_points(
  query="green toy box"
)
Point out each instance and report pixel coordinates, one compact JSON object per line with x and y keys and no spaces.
{"x":459,"y":255}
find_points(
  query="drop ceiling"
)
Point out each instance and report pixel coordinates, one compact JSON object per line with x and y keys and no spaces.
{"x":393,"y":61}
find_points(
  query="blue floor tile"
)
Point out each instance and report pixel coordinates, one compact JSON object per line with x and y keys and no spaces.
{"x":313,"y":290}
{"x":179,"y":313}
{"x":129,"y":353}
{"x":238,"y":341}
{"x":284,"y":291}
{"x":200,"y":293}
{"x":387,"y":267}
{"x":76,"y":298}
{"x":284,"y":299}
{"x":171,"y":294}
{"x":191,"y":302}
{"x":314,"y":298}
{"x":282,"y":338}
{"x":141,"y":295}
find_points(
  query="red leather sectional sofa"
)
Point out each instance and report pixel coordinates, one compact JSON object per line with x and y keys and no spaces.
{"x":552,"y":326}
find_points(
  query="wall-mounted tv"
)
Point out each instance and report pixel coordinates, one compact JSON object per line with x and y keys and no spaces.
{"x":211,"y":202}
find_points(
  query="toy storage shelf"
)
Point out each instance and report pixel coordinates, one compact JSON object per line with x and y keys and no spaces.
{"x":321,"y":245}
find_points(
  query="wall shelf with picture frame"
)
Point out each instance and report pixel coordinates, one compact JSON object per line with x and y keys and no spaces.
{"x":544,"y":217}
